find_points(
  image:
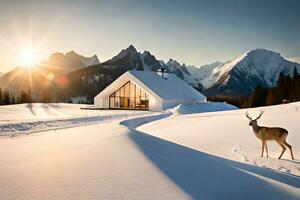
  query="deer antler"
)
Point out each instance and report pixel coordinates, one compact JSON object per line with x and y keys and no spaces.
{"x":247,"y":115}
{"x":260,"y":114}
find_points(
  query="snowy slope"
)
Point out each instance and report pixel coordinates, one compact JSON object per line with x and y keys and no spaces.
{"x":113,"y":160}
{"x":205,"y":74}
{"x":204,"y":107}
{"x":31,"y":118}
{"x":227,"y":134}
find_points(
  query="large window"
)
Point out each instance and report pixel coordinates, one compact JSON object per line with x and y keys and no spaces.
{"x":129,"y":96}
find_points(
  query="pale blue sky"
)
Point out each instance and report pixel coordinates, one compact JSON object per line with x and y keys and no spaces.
{"x":195,"y":32}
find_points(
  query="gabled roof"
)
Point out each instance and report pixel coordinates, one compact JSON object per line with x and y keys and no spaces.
{"x":171,"y":88}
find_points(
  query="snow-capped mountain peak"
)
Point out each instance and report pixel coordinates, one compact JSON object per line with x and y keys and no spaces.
{"x":241,"y":75}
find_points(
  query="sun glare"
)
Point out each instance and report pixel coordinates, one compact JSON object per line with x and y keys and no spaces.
{"x":29,"y":58}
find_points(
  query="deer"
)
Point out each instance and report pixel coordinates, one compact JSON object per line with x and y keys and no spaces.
{"x":268,"y":134}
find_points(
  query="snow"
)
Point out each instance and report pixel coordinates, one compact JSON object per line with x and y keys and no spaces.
{"x":164,"y":88}
{"x":151,"y":156}
{"x":36,"y":117}
{"x":175,"y":67}
{"x":227,"y":134}
{"x":205,"y":73}
{"x":201,"y":107}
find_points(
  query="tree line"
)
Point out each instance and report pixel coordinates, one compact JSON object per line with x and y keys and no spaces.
{"x":286,"y":90}
{"x":24,"y":96}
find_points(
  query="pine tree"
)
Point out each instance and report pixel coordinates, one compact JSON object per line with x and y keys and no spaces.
{"x":270,"y":100}
{"x":46,"y":96}
{"x":1,"y":97}
{"x":6,"y":98}
{"x":296,"y":82}
{"x":13,"y":100}
{"x":293,"y":86}
{"x":29,"y":96}
{"x":259,"y":97}
{"x":23,"y":97}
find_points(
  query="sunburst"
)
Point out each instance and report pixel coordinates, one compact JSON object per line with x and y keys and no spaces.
{"x":29,"y":58}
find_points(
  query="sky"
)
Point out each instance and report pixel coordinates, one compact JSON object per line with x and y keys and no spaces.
{"x":195,"y":32}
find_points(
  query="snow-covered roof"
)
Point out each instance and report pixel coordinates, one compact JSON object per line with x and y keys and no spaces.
{"x":170,"y":88}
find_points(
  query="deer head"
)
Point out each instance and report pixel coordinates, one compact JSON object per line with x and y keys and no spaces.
{"x":253,"y":121}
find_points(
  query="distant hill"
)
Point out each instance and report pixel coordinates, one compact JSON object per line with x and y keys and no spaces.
{"x":46,"y":73}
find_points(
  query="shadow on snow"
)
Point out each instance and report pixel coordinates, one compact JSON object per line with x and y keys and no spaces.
{"x":204,"y":176}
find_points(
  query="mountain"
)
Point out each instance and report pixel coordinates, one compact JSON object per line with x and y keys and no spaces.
{"x":71,"y":75}
{"x":1,"y":74}
{"x":46,"y":73}
{"x":63,"y":64}
{"x":241,"y":75}
{"x":89,"y":81}
{"x":203,"y":73}
{"x":183,"y":71}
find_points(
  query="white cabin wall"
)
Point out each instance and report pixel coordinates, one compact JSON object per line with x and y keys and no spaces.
{"x":101,"y":102}
{"x":155,"y":104}
{"x":97,"y":102}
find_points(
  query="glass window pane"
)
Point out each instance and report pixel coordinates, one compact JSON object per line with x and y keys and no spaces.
{"x":127,"y":92}
{"x":122,"y":92}
{"x":143,"y":94}
{"x":112,"y":102}
{"x":137,"y":102}
{"x":126,"y":102}
{"x":117,"y":102}
{"x":129,"y":96}
{"x":137,"y":92}
{"x":122,"y":102}
{"x":117,"y":93}
{"x":132,"y":89}
{"x":132,"y":102}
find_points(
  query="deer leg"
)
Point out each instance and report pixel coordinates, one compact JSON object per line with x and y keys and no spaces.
{"x":266,"y":149}
{"x":262,"y":148}
{"x":290,"y":148}
{"x":283,"y":149}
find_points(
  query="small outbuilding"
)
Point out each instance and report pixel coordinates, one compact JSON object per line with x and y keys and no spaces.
{"x":144,"y":90}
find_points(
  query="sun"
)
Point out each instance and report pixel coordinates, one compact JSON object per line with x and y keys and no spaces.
{"x":29,"y":58}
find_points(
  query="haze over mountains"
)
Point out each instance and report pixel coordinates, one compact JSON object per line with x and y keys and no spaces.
{"x":46,"y":73}
{"x":72,"y":75}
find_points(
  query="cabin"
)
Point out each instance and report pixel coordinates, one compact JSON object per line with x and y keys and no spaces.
{"x":146,"y":90}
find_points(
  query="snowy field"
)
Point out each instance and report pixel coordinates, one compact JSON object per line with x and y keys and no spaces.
{"x":36,"y":117}
{"x":172,"y":155}
{"x":227,"y":134}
